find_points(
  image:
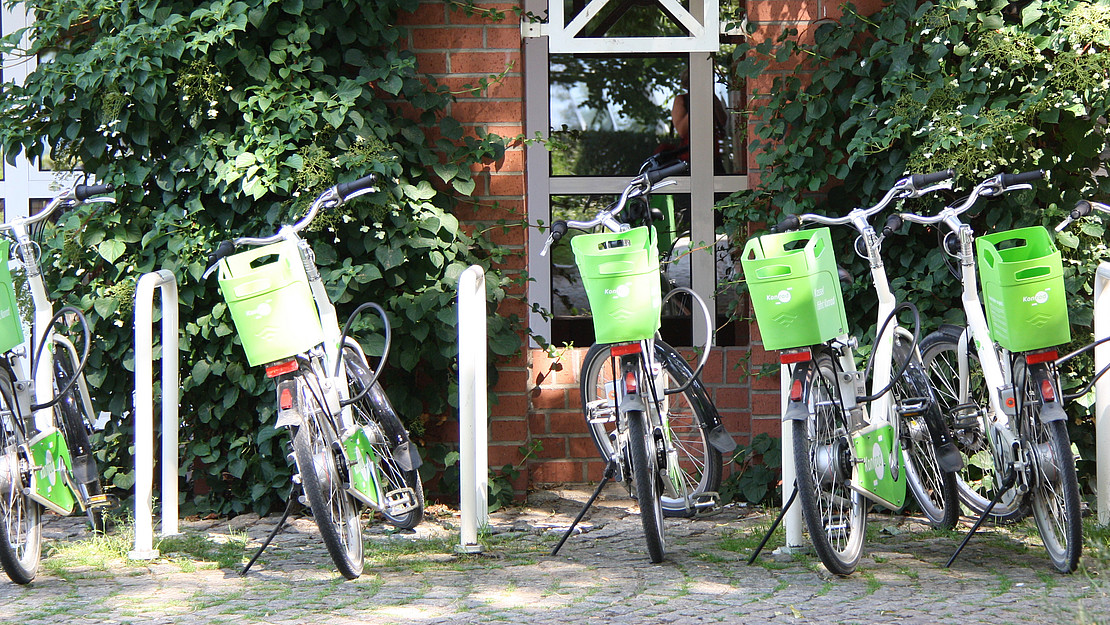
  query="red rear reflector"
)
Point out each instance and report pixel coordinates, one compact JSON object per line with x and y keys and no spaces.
{"x":286,"y":399}
{"x":1040,"y":357}
{"x":289,"y":366}
{"x":796,"y":391}
{"x":1047,"y":392}
{"x":630,"y":383}
{"x":625,"y":349}
{"x":789,"y":358}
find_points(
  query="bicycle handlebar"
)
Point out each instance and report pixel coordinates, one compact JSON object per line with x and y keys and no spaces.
{"x":1082,"y":209}
{"x":995,"y":185}
{"x":71,"y":197}
{"x":907,"y":187}
{"x":644,"y":183}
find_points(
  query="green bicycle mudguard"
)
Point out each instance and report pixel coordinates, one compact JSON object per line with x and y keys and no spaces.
{"x":362,"y":468}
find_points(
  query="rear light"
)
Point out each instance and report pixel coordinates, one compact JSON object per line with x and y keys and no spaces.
{"x":1040,"y":357}
{"x":625,"y":349}
{"x":285,"y":398}
{"x":281,"y":368}
{"x":789,"y":358}
{"x":630,"y":385}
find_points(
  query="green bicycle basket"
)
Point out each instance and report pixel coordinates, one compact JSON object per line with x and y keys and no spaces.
{"x":1023,"y":288}
{"x":271,"y":304}
{"x":620,"y":271}
{"x":11,"y":326}
{"x":795,"y":288}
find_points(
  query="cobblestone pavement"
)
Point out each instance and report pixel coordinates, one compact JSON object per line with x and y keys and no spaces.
{"x":602,"y":575}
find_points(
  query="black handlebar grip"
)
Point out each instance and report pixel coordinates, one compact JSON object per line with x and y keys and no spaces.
{"x":923,"y":180}
{"x":1082,"y":209}
{"x":83,"y":192}
{"x":1009,"y":180}
{"x":894,"y":223}
{"x":786,"y":225}
{"x":674,"y":169}
{"x":223,"y":250}
{"x":558,"y":229}
{"x":345,"y":189}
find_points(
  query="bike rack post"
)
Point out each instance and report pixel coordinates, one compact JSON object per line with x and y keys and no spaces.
{"x":144,"y":410}
{"x":792,"y":519}
{"x":1102,"y":394}
{"x":473,"y":459}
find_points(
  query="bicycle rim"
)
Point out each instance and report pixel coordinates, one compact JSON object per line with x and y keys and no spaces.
{"x":976,"y":482}
{"x":645,"y":476}
{"x":20,"y":517}
{"x":335,"y":511}
{"x":835,"y":515}
{"x":695,"y":467}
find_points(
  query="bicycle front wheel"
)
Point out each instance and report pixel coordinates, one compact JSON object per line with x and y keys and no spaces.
{"x":978,"y":481}
{"x":695,"y":477}
{"x":404,"y":497}
{"x":835,"y":515}
{"x":335,"y":511}
{"x":1054,"y":493}
{"x":645,"y":476}
{"x":933,"y":489}
{"x":20,"y":517}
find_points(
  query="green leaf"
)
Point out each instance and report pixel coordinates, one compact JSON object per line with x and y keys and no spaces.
{"x":111,"y":249}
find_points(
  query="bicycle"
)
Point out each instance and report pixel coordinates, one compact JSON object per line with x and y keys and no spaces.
{"x":1003,"y":397}
{"x":850,"y":448}
{"x":348,"y":445}
{"x":647,"y":412}
{"x":46,"y":457}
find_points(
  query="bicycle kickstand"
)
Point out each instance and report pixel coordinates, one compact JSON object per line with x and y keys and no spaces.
{"x":610,"y":473}
{"x":1007,"y":484}
{"x":775,"y":525}
{"x":277,"y":528}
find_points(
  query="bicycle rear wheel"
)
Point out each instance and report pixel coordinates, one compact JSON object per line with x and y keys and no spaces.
{"x":695,"y":477}
{"x":336,"y":512}
{"x":933,"y":489}
{"x":404,"y":494}
{"x":20,"y":517}
{"x":645,"y":476}
{"x":977,"y":481}
{"x":835,"y":515}
{"x":1054,"y":492}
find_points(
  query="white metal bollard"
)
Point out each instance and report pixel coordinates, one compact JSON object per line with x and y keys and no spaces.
{"x":792,"y":521}
{"x":1102,"y":395}
{"x":144,"y":410}
{"x":473,"y":460}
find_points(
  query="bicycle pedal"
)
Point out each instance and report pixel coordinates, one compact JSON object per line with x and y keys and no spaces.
{"x":964,"y":416}
{"x":913,"y":406}
{"x":99,"y":501}
{"x":600,"y":411}
{"x":400,"y":501}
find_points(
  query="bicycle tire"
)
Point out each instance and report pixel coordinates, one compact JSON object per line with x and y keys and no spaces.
{"x":335,"y":511}
{"x":699,"y":466}
{"x":835,"y":515}
{"x":933,"y":489}
{"x":645,"y":478}
{"x":70,"y":418}
{"x":20,"y":516}
{"x":976,"y":480}
{"x":376,"y":411}
{"x":1054,"y":491}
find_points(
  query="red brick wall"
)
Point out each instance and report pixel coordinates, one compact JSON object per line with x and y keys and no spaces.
{"x":537,"y":395}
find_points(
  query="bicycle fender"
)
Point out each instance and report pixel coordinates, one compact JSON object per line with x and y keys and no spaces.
{"x":407,"y":456}
{"x":1051,"y":410}
{"x":798,"y":410}
{"x":632,"y":402}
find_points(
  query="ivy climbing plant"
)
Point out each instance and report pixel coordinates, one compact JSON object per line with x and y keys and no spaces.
{"x":223,"y":118}
{"x":979,"y":86}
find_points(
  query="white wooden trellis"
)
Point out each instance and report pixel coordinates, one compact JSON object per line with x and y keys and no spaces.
{"x":701,"y":21}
